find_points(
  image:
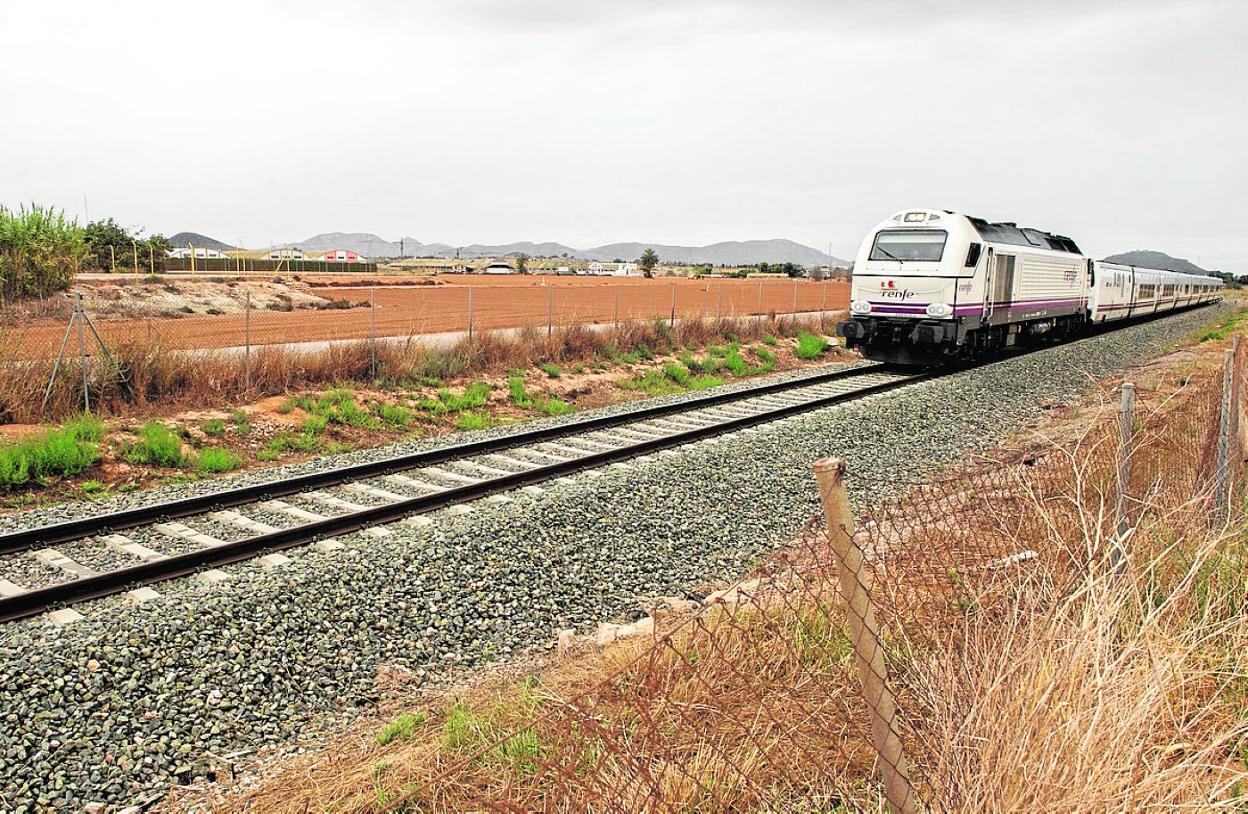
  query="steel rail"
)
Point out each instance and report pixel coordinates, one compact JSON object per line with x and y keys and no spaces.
{"x":30,"y":603}
{"x":69,"y":530}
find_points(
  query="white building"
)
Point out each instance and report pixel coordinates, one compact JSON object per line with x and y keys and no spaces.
{"x":498,"y":267}
{"x":184,"y":252}
{"x":340,"y":256}
{"x":286,"y":254}
{"x":625,"y":269}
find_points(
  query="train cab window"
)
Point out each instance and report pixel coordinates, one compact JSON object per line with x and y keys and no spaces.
{"x":972,"y":255}
{"x":914,"y":245}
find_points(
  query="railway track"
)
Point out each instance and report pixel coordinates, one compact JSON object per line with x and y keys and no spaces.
{"x":53,"y":566}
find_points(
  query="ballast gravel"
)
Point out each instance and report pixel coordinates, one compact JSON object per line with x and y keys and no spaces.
{"x":134,"y":698}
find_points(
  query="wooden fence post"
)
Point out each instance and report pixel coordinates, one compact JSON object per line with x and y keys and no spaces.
{"x":865,"y":635}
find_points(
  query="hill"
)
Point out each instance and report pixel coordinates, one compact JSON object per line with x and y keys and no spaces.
{"x":728,"y":253}
{"x":182,"y":239}
{"x":1146,"y":258}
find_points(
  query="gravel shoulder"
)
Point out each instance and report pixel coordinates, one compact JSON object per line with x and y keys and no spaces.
{"x":130,"y":700}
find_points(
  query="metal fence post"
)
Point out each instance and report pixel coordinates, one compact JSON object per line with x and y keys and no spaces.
{"x":719,"y":300}
{"x":795,"y":296}
{"x":550,"y":310}
{"x":617,"y":307}
{"x":760,"y":296}
{"x":672,"y":321}
{"x":247,"y":337}
{"x":1224,"y":432}
{"x":82,"y":352}
{"x":865,"y":635}
{"x":1126,"y":420}
{"x":372,"y":301}
{"x":470,"y":313}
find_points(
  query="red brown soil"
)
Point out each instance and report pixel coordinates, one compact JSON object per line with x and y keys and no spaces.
{"x":497,"y":302}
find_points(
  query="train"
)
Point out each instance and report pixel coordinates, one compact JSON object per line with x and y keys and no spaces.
{"x":932,"y":287}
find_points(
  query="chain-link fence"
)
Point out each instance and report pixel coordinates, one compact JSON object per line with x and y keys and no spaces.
{"x":809,"y":685}
{"x":352,"y":312}
{"x":69,"y":352}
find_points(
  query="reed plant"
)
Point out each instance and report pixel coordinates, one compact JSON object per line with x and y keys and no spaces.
{"x":40,"y":251}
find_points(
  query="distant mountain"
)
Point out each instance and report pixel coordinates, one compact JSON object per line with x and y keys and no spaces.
{"x":183,"y":239}
{"x":366,"y":243}
{"x":729,"y":253}
{"x":1145,"y":258}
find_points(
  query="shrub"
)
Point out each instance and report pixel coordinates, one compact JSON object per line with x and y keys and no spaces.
{"x":53,"y":453}
{"x":217,"y":459}
{"x":40,"y":251}
{"x":810,"y":346}
{"x":157,"y":446}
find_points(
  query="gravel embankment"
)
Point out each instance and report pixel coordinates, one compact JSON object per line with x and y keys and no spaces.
{"x":129,"y":700}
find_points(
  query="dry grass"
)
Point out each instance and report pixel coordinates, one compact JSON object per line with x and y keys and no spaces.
{"x":1045,"y":684}
{"x":147,"y":373}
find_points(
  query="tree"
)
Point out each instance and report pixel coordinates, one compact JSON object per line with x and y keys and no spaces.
{"x":522,"y":260}
{"x":108,"y":242}
{"x":649,"y":259}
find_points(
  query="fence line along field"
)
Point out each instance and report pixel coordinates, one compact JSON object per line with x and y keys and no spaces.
{"x":468,"y":302}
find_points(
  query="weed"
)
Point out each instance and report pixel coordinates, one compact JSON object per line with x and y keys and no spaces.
{"x":157,"y":446}
{"x":396,"y":415}
{"x":463,"y":728}
{"x":810,"y":346}
{"x":242,"y":425}
{"x":62,"y":452}
{"x":519,"y":394}
{"x":554,"y":407}
{"x":471,"y":420}
{"x":552,"y":370}
{"x":704,"y":382}
{"x":474,"y":396}
{"x":578,"y":368}
{"x":677,"y":372}
{"x":401,"y":728}
{"x":315,"y":424}
{"x":217,"y":459}
{"x":769,"y":340}
{"x":213,"y":427}
{"x":93,"y":487}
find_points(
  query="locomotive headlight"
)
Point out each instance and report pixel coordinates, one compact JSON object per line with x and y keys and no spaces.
{"x":860,"y":307}
{"x":939,"y":309}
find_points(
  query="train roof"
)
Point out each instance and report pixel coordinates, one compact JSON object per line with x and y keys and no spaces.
{"x":1009,"y":232}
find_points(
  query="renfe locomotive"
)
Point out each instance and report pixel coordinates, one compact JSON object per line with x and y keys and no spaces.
{"x":931,"y":286}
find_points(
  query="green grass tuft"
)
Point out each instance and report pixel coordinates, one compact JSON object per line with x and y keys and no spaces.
{"x":157,"y":446}
{"x":213,"y":427}
{"x":470,"y":420}
{"x":217,"y":459}
{"x":401,"y":728}
{"x":552,"y":370}
{"x":810,"y":346}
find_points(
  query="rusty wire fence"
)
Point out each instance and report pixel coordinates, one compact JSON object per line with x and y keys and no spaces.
{"x":793,"y":689}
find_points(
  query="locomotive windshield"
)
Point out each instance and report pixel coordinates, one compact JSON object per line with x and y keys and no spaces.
{"x":915,"y":245}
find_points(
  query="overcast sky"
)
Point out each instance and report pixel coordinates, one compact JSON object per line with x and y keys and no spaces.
{"x":1121,"y":124}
